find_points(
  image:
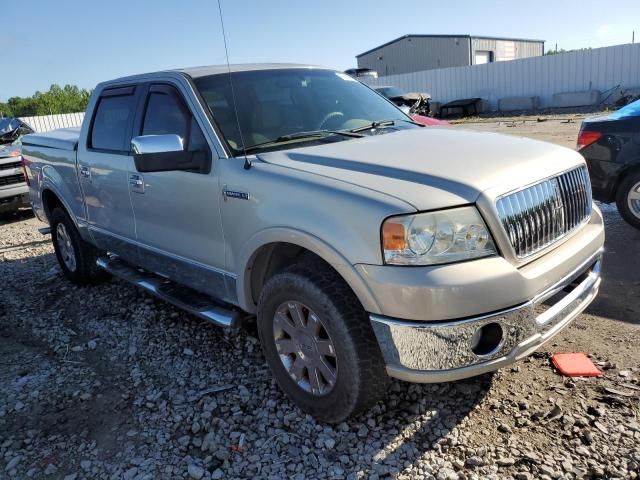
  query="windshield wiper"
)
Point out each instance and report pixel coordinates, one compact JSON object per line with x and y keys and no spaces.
{"x":382,"y":124}
{"x":372,"y":125}
{"x":317,"y":133}
{"x":302,"y":136}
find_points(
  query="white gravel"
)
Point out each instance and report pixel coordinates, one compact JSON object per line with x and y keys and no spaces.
{"x":107,"y":382}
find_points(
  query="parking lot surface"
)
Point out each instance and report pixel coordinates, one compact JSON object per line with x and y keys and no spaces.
{"x":107,"y":382}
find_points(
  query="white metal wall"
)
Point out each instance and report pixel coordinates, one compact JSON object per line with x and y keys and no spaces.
{"x":597,"y":69}
{"x":45,"y":123}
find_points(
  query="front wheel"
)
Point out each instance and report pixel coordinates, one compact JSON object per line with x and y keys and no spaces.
{"x":319,"y":343}
{"x":628,"y":199}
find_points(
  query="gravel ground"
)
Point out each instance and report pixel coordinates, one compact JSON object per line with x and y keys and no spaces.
{"x":107,"y":382}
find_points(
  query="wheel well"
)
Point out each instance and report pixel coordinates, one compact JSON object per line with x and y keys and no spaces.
{"x":622,"y":177}
{"x":50,"y":201}
{"x":273,"y":258}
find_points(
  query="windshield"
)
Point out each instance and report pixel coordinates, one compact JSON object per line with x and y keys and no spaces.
{"x":276,"y":103}
{"x":9,"y":124}
{"x":390,"y":92}
{"x":631,"y":110}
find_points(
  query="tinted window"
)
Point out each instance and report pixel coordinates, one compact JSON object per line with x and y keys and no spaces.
{"x":165,"y":115}
{"x":111,"y":122}
{"x":390,"y":92}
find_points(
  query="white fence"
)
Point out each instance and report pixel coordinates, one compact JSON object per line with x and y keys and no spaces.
{"x":45,"y":123}
{"x":601,"y":69}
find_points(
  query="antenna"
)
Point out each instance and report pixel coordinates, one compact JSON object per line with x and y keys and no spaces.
{"x":247,"y":163}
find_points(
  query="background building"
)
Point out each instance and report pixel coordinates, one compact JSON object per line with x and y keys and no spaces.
{"x":414,"y":53}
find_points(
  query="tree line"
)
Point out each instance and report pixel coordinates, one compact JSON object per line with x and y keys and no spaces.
{"x":67,"y":99}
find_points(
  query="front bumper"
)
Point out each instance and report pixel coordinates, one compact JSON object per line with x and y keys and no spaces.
{"x":14,"y":197}
{"x":429,"y":352}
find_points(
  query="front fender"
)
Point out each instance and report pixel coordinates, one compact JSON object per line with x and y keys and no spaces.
{"x":308,"y":242}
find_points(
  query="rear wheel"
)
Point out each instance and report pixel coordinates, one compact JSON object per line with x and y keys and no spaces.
{"x":318,"y":342}
{"x":76,"y":257}
{"x":628,"y":199}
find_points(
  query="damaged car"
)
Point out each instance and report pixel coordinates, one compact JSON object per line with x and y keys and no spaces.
{"x":416,"y":105}
{"x":412,"y":102}
{"x":14,"y":192}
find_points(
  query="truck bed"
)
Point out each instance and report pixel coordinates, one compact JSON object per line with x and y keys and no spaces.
{"x":61,"y":139}
{"x":50,"y":160}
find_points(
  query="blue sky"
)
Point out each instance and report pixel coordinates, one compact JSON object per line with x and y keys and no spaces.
{"x":83,"y":42}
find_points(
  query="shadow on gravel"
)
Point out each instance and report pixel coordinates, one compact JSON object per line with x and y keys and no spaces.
{"x":619,"y":297}
{"x":20,"y":246}
{"x":419,"y":418}
{"x":20,"y":215}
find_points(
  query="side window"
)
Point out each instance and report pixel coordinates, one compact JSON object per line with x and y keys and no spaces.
{"x":111,"y":122}
{"x":165,"y":113}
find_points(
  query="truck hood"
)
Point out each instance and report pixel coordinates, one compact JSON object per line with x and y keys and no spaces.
{"x":432,"y":167}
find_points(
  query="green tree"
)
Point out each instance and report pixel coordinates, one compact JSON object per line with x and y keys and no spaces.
{"x":67,"y":99}
{"x":562,"y":50}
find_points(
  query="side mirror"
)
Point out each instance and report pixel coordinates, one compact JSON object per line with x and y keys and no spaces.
{"x":163,"y":153}
{"x":146,"y":144}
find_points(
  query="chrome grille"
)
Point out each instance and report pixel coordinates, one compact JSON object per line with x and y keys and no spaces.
{"x":541,"y":214}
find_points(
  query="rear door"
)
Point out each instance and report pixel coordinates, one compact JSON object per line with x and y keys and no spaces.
{"x":104,"y":163}
{"x":178,"y":212}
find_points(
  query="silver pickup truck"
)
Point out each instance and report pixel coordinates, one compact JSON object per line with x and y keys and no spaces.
{"x":362,"y":244}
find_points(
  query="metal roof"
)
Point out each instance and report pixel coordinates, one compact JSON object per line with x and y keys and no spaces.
{"x":203,"y":71}
{"x":420,"y":35}
{"x":195,"y":72}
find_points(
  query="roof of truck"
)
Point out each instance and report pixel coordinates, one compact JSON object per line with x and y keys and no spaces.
{"x":196,"y":72}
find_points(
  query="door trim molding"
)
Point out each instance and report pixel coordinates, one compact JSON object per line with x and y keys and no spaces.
{"x":175,"y":256}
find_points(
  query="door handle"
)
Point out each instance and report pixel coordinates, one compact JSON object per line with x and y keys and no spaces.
{"x":136,"y":183}
{"x":85,"y":171}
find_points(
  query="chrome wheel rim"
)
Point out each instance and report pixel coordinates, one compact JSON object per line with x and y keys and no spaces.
{"x":305,"y":348}
{"x":67,"y":253}
{"x":633,"y":200}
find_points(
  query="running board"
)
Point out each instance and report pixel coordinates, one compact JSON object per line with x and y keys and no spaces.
{"x":192,"y":301}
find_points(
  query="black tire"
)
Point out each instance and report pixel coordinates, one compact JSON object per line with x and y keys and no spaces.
{"x":629,"y":182}
{"x":86,"y":271}
{"x":361,"y":378}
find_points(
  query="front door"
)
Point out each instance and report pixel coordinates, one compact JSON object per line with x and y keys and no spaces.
{"x":103,"y":166}
{"x":178,"y":213}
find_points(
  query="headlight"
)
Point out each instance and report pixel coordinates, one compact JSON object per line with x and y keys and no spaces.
{"x":436,"y":237}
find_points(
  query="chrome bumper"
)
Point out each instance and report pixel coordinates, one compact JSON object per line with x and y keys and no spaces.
{"x":430,"y":352}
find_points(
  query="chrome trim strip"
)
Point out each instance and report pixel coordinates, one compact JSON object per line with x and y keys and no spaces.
{"x":434,"y":352}
{"x":162,"y":252}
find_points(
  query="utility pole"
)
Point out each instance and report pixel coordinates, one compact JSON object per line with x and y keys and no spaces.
{"x":633,"y":36}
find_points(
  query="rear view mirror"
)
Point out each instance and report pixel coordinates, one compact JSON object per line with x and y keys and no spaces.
{"x":163,"y":153}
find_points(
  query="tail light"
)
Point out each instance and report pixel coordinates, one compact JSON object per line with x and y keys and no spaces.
{"x":586,"y":138}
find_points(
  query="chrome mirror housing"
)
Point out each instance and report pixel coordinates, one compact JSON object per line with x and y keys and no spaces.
{"x":146,"y":144}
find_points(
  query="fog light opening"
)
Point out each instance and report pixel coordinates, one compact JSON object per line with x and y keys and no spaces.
{"x":487,"y":339}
